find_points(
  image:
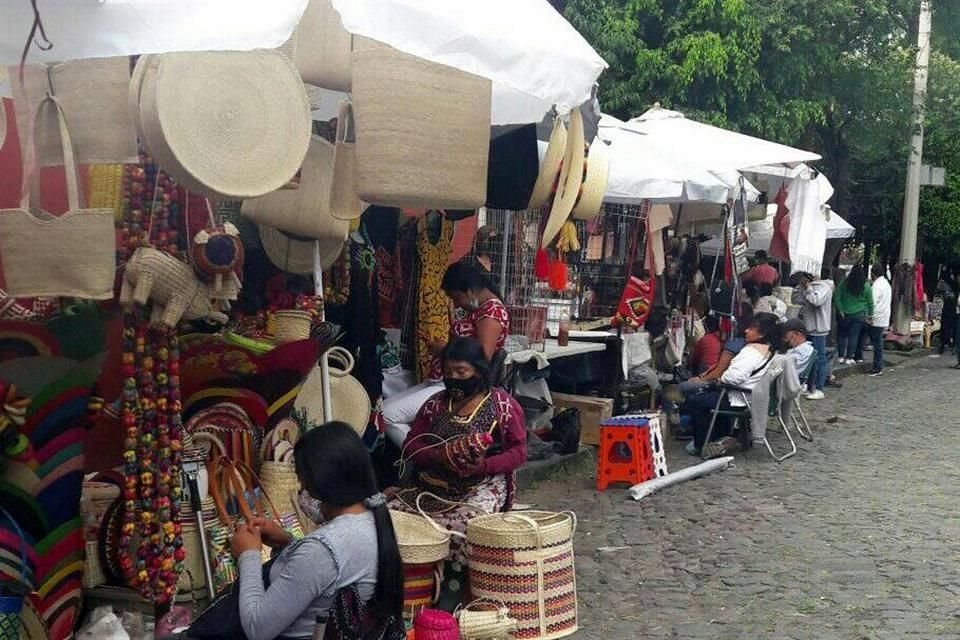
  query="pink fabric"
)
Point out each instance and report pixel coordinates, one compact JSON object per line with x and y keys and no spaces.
{"x":761,"y":274}
{"x":780,"y":242}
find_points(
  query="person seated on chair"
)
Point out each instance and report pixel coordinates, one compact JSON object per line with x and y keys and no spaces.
{"x":746,"y":369}
{"x":354,"y":551}
{"x":708,"y":349}
{"x":448,"y":444}
{"x":483,"y":316}
{"x":798,"y":347}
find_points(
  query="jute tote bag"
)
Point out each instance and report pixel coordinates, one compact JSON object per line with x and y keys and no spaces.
{"x":321,"y":47}
{"x":91,"y":93}
{"x":227,"y":124}
{"x":71,"y":255}
{"x":345,"y":204}
{"x":423,"y":130}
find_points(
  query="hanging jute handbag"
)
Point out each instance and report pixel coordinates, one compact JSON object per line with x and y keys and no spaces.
{"x":525,"y":560}
{"x":92,"y":93}
{"x":321,"y":47}
{"x":70,"y":255}
{"x":423,"y":130}
{"x":345,"y":204}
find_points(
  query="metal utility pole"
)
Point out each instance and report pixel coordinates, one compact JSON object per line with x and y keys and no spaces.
{"x":911,"y":201}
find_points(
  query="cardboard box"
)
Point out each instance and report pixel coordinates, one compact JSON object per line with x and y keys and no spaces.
{"x":592,"y":412}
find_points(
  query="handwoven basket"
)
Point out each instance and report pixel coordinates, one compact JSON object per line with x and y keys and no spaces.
{"x":291,"y":325}
{"x":419,"y":541}
{"x":193,"y":563}
{"x":423,"y":130}
{"x":279,"y":480}
{"x":525,"y":560}
{"x":93,"y":575}
{"x":485,"y":620}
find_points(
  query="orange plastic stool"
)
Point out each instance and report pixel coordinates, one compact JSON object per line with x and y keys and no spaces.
{"x":625,"y":454}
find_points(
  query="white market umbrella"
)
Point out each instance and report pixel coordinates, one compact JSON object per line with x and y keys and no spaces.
{"x":642,"y":167}
{"x":713,"y":147}
{"x":761,"y":233}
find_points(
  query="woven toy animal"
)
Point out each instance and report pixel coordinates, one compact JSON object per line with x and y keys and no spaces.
{"x":173,"y":288}
{"x":217,"y":254}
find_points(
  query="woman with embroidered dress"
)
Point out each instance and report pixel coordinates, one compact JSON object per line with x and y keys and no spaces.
{"x":480,"y":314}
{"x":465,"y":444}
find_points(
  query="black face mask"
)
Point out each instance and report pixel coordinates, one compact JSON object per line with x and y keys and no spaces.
{"x":460,"y":388}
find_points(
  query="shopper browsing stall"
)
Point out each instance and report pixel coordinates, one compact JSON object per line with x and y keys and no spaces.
{"x":484,"y":317}
{"x":854,"y":302}
{"x":466,"y":443}
{"x":816,"y":296}
{"x":882,"y":299}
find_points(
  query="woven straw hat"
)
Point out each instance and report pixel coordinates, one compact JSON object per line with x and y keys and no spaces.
{"x":230,"y":124}
{"x":571,"y":178}
{"x":294,"y":254}
{"x":594,"y":182}
{"x":550,"y":166}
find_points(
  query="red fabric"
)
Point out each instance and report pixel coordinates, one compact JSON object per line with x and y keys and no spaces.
{"x":706,"y":353}
{"x":918,"y":279}
{"x":466,"y":327}
{"x":780,"y":242}
{"x":762,"y":274}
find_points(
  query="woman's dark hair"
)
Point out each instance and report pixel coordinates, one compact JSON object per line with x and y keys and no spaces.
{"x":768,"y":326}
{"x":855,"y":281}
{"x":657,"y":322}
{"x":464,"y":277}
{"x":879,"y":270}
{"x":469,"y":350}
{"x":334,"y":467}
{"x":485,"y":243}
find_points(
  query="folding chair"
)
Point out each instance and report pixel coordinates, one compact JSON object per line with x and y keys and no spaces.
{"x":802,"y":426}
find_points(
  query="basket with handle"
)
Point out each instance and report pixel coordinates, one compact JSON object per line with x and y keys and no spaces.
{"x":485,"y":619}
{"x":526,"y":561}
{"x":278,"y":474}
{"x":11,"y":598}
{"x":291,"y":325}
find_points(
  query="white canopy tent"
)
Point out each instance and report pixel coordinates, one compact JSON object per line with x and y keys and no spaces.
{"x":545,"y":63}
{"x":713,"y":147}
{"x":643,"y":168}
{"x":761,"y":233}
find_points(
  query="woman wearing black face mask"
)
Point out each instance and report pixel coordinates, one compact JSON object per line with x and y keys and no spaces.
{"x":466,"y":443}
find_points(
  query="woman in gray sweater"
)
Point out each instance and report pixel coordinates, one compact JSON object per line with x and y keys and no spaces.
{"x":356,"y":547}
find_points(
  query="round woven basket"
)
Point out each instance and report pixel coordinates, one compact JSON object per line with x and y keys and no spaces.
{"x":419,"y":541}
{"x":291,"y":325}
{"x":229,"y":124}
{"x":525,"y":560}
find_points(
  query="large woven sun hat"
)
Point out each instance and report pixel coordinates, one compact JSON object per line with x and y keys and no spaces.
{"x":228,"y":124}
{"x":571,"y":178}
{"x":321,"y":47}
{"x":294,"y":254}
{"x":550,"y":165}
{"x":594,"y":182}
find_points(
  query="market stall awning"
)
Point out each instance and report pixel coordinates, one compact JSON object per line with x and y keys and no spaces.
{"x":713,"y":147}
{"x":762,"y":232}
{"x":642,"y":167}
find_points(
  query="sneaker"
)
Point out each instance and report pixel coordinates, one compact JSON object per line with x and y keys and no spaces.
{"x":876,"y":373}
{"x":815,"y":395}
{"x":860,"y":361}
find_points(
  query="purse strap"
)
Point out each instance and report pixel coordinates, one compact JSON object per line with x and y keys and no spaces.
{"x":31,"y":166}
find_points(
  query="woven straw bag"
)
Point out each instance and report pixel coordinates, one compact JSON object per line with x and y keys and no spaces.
{"x":526,"y":561}
{"x":291,"y":325}
{"x":71,"y":255}
{"x":423,"y":130}
{"x":93,"y":575}
{"x":304,"y":211}
{"x":485,"y":620}
{"x":345,"y":204}
{"x":226,"y":124}
{"x":321,"y":47}
{"x":348,"y":399}
{"x":91,"y":93}
{"x":278,"y":474}
{"x":420,"y":541}
{"x":193,"y":562}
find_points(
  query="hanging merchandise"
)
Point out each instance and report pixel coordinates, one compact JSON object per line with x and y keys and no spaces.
{"x":808,"y":225}
{"x":541,"y":265}
{"x":322,"y":47}
{"x":217,"y":255}
{"x":568,"y":185}
{"x":549,"y":166}
{"x":399,"y":161}
{"x":151,"y":487}
{"x":344,"y":202}
{"x":91,"y":93}
{"x":348,"y":399}
{"x":636,"y":301}
{"x":433,"y":318}
{"x":513,"y":167}
{"x":594,"y":185}
{"x":105,"y":183}
{"x":226,"y":124}
{"x":70,"y":255}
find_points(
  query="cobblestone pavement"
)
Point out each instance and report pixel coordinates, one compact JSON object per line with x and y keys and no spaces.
{"x":857,"y":537}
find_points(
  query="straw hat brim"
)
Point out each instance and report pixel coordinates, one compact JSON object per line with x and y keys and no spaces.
{"x":235,"y":122}
{"x":571,"y":179}
{"x":348,"y":400}
{"x":594,"y":183}
{"x":550,"y":165}
{"x":294,"y":254}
